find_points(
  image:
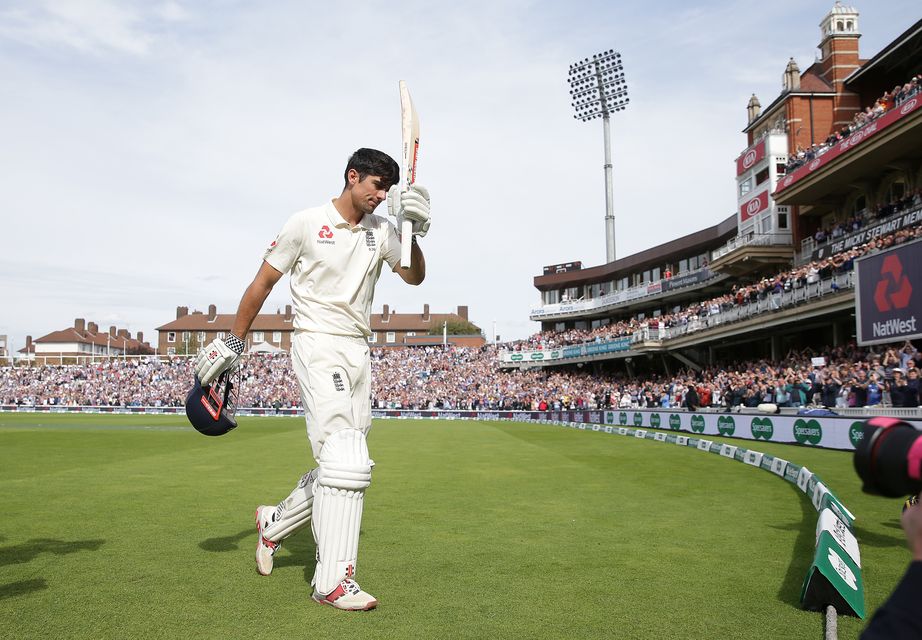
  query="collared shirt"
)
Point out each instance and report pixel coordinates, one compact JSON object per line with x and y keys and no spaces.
{"x":333,"y":267}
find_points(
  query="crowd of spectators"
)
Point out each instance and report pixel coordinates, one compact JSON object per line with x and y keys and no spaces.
{"x":889,"y":100}
{"x":461,"y":378}
{"x":840,"y":228}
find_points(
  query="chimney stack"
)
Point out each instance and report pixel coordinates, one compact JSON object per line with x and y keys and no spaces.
{"x":425,"y":313}
{"x":287,"y":313}
{"x":92,"y":327}
{"x":80,"y":325}
{"x":123,"y":333}
{"x":386,"y":313}
{"x":112,"y":332}
{"x":753,"y":109}
{"x":462,"y":311}
{"x":181,"y":311}
{"x":140,"y":337}
{"x":212,"y":313}
{"x":28,"y":344}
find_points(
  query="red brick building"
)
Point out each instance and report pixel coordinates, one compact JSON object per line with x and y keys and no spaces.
{"x":84,"y":342}
{"x":191,"y":331}
{"x":392,"y":329}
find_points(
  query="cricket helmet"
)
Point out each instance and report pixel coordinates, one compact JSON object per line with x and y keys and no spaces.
{"x":210,"y":408}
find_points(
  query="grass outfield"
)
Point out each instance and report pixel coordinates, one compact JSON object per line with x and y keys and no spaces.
{"x":138,"y":527}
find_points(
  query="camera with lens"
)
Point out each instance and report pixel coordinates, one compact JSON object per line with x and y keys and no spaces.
{"x":888,"y":458}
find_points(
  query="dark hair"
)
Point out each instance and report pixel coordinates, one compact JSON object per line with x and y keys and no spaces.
{"x":371,"y":162}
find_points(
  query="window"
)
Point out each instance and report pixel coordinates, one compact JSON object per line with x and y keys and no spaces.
{"x":200,"y":336}
{"x":277,"y":337}
{"x":551,"y":297}
{"x":645,"y":277}
{"x":745,"y":186}
{"x":373,"y":337}
{"x":693,"y":263}
{"x":781,"y":168}
{"x":171,"y":351}
{"x":391,"y":336}
{"x":683,"y":265}
{"x":859,"y":205}
{"x":656,"y":275}
{"x":574,"y":293}
{"x":895,"y":192}
{"x":762,"y":176}
{"x":782,"y":218}
{"x":220,"y":335}
{"x":171,"y":336}
{"x":623,"y":284}
{"x":410,"y":334}
{"x":580,"y":325}
{"x":186,"y":336}
{"x":259,"y":336}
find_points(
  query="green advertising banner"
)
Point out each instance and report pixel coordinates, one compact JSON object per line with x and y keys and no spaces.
{"x":834,"y":579}
{"x":832,"y":432}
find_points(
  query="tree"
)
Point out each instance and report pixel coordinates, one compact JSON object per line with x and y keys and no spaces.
{"x":457,"y":328}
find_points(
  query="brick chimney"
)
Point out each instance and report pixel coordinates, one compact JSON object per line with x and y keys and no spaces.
{"x":92,"y":327}
{"x":140,"y":337}
{"x":425,"y":313}
{"x":80,"y":325}
{"x":386,"y":314}
{"x":112,"y":332}
{"x":181,"y":311}
{"x":288,"y":314}
{"x":212,"y":313}
{"x":123,"y":333}
{"x":28,"y":344}
{"x":462,"y":311}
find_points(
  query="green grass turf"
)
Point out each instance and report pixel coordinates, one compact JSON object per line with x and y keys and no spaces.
{"x":137,"y":527}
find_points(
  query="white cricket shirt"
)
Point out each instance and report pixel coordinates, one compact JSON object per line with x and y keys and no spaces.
{"x":333,"y":267}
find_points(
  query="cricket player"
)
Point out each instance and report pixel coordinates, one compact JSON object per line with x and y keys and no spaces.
{"x":334,"y":254}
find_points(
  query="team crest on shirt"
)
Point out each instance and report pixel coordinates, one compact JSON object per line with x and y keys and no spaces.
{"x":370,"y":239}
{"x":325,"y":236}
{"x":271,"y":247}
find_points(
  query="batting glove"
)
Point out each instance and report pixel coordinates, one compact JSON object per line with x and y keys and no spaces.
{"x":411,"y":204}
{"x":218,"y":357}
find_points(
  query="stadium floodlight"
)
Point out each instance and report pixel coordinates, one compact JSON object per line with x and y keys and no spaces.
{"x":597,"y":88}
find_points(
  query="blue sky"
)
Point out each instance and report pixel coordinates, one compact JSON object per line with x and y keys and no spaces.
{"x":153,"y":149}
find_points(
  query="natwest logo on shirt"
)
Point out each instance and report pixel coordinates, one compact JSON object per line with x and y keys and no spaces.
{"x":325,"y":236}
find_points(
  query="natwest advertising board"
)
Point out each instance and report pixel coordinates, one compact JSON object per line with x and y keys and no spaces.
{"x":888,"y":302}
{"x":754,"y":206}
{"x":751,"y":157}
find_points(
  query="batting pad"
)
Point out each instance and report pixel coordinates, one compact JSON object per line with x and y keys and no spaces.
{"x":339,"y":494}
{"x":294,"y":512}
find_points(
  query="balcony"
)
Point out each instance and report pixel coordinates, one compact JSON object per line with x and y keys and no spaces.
{"x":753,"y":252}
{"x":688,"y":280}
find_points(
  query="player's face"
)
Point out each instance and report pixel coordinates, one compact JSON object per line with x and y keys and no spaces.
{"x":368,"y":193}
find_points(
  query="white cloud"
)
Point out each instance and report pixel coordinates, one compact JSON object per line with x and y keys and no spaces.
{"x":89,"y":26}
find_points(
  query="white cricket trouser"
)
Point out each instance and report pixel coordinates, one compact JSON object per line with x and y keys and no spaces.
{"x":334,"y":373}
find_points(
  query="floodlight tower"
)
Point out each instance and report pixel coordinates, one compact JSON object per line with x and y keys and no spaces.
{"x":598,"y":87}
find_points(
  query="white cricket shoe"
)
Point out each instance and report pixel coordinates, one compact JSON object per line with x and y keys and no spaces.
{"x":348,"y":596}
{"x":265,"y":549}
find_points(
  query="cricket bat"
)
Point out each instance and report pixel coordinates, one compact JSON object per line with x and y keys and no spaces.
{"x":409,"y":121}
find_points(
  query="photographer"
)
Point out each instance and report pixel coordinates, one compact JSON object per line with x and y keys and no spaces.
{"x":898,"y":618}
